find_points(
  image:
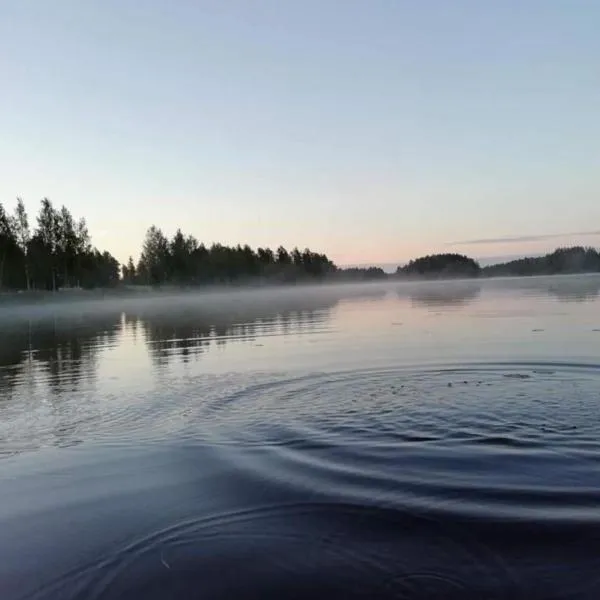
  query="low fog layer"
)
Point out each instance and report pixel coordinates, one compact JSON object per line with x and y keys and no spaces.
{"x":170,"y":302}
{"x":17,"y":307}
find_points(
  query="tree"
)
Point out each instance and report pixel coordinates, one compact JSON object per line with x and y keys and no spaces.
{"x":44,"y":245}
{"x":66,"y":244}
{"x":154,"y":261}
{"x":265,"y":256}
{"x":23,"y":236}
{"x":9,"y":249}
{"x":82,"y":248}
{"x":129,"y":272}
{"x":283,"y":257}
{"x":180,"y":257}
{"x":296,"y":257}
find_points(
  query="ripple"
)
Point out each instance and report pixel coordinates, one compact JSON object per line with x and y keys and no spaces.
{"x":364,"y":483}
{"x":351,"y":547}
{"x":405,"y":435}
{"x":411,"y":403}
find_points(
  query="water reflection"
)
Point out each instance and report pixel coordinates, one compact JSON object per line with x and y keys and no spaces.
{"x":564,"y":288}
{"x":583,"y":289}
{"x":305,"y":438}
{"x":443,"y":295}
{"x":187,"y":334}
{"x":60,"y":351}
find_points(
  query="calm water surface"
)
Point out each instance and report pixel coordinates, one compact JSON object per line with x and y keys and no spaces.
{"x":431,"y":440}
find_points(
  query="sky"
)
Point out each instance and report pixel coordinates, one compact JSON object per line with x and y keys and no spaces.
{"x":374,"y":131}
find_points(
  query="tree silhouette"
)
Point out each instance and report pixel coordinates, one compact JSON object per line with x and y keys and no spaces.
{"x":563,"y":260}
{"x":183,"y":261}
{"x":10,"y":253}
{"x":441,"y":265}
{"x":129,"y":271}
{"x":57,"y":254}
{"x":23,"y":236}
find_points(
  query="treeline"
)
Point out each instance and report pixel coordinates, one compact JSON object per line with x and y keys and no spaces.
{"x":54,"y":254}
{"x":563,"y":260}
{"x":441,"y":265}
{"x":183,"y":260}
{"x":57,"y":253}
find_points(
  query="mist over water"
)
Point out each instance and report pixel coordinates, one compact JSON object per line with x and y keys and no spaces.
{"x":395,"y":440}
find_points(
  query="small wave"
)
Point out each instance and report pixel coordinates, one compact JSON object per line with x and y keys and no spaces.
{"x":380,"y":482}
{"x":336,"y":544}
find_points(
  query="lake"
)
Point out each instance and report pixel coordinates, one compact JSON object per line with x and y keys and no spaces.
{"x":399,"y":440}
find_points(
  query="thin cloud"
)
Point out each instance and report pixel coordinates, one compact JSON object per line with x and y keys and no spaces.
{"x":522,"y":238}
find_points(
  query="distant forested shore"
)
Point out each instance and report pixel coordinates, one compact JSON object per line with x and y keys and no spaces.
{"x":562,"y":261}
{"x":57,"y":254}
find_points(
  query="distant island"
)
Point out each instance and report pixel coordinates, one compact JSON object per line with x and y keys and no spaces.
{"x":576,"y":259}
{"x":441,"y":266}
{"x":57,"y":254}
{"x":572,"y":260}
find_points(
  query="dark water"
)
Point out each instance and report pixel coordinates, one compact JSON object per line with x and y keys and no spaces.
{"x":414,"y":441}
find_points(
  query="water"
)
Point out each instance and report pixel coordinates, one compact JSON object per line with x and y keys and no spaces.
{"x":431,"y":440}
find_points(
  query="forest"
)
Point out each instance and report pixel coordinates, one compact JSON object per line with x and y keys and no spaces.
{"x":55,"y":252}
{"x":562,"y":261}
{"x":183,"y":260}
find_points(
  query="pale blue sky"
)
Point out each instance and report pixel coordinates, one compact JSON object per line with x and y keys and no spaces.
{"x":371,"y":130}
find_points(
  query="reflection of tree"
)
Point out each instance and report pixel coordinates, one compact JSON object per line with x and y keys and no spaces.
{"x":193,"y":330}
{"x":62,"y":351}
{"x":178,"y":334}
{"x":564,"y":288}
{"x":576,"y":289}
{"x":441,"y":294}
